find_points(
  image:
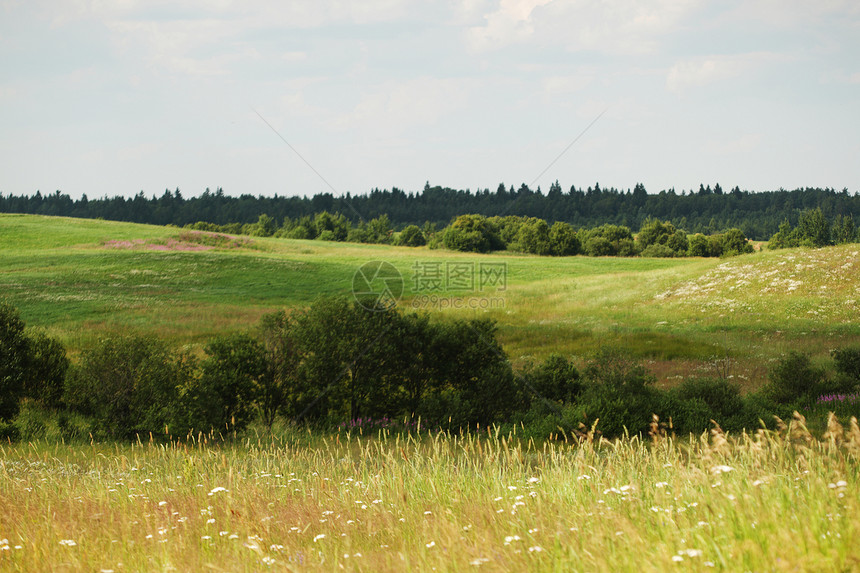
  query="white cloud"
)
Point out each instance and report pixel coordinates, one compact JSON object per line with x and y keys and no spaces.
{"x":611,"y":26}
{"x":744,"y":144}
{"x":396,"y":107}
{"x":511,"y":22}
{"x":701,"y":72}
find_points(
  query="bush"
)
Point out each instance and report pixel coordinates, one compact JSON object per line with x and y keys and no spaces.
{"x":471,"y":233}
{"x":599,"y":247}
{"x":661,"y":234}
{"x":533,"y":237}
{"x":618,"y":391}
{"x":794,"y":379}
{"x":411,"y":236}
{"x":848,"y":363}
{"x":699,"y":246}
{"x":700,"y":400}
{"x":657,"y":250}
{"x":563,"y":240}
{"x":554,"y":380}
{"x":224,"y":396}
{"x":47,"y":376}
{"x":15,"y":361}
{"x":129,"y":385}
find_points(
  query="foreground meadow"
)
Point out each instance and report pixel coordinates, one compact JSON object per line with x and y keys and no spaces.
{"x":766,"y":502}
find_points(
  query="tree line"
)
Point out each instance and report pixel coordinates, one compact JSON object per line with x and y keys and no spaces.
{"x":345,"y":364}
{"x":707,"y":210}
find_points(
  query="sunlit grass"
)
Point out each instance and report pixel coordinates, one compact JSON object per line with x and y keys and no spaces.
{"x":679,"y":314}
{"x":435,"y":502}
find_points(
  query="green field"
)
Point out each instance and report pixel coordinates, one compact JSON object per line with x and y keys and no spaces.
{"x":80,"y":279}
{"x":296,"y":500}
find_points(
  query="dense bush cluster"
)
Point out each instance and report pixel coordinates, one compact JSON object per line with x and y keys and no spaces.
{"x":480,"y":234}
{"x":530,"y":235}
{"x":338,"y":364}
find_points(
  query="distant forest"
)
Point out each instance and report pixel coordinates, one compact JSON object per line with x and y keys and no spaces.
{"x":706,"y":210}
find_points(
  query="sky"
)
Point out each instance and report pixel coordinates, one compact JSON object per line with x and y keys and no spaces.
{"x":109,"y":98}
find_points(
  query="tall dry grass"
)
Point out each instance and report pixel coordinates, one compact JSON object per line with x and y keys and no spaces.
{"x":754,"y":502}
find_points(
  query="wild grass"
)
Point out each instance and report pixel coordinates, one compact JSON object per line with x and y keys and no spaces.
{"x":678,"y":314}
{"x":436,"y":502}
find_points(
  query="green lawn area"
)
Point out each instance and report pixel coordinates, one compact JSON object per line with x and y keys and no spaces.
{"x":81,"y":279}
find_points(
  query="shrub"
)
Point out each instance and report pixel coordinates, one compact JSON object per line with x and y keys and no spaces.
{"x":224,"y":396}
{"x":533,"y":237}
{"x":471,"y":233}
{"x":848,"y":362}
{"x":47,"y":376}
{"x":411,"y":236}
{"x":700,"y":400}
{"x":15,"y":361}
{"x":618,"y":391}
{"x":734,"y":242}
{"x":599,"y":247}
{"x":795,"y":379}
{"x":699,"y":246}
{"x":563,"y":240}
{"x":554,"y":380}
{"x":128,"y":384}
{"x":664,"y":234}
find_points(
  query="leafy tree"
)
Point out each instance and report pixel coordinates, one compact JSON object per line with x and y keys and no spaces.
{"x":471,"y":233}
{"x":813,"y":228}
{"x":844,"y":230}
{"x":563,"y":240}
{"x":48,"y":368}
{"x":699,"y":246}
{"x":794,"y":379}
{"x":265,"y":226}
{"x":331,"y":227}
{"x":348,"y":353}
{"x":129,"y":384}
{"x":533,"y":237}
{"x":411,"y":236}
{"x":226,"y":393}
{"x":278,"y":383}
{"x":15,"y":360}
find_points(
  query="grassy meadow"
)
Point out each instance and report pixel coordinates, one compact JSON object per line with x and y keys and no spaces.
{"x":424,"y":501}
{"x":80,"y":279}
{"x":771,"y":501}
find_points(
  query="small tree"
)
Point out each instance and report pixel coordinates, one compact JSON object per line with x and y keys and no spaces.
{"x":129,"y":384}
{"x":411,"y":236}
{"x":225,"y":394}
{"x":47,"y":375}
{"x":563,"y":240}
{"x":813,"y":228}
{"x":794,"y":378}
{"x":277,"y":384}
{"x":534,"y":237}
{"x":471,"y":233}
{"x":15,"y":358}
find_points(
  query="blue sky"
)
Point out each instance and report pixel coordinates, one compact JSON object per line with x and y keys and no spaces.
{"x":113,"y":98}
